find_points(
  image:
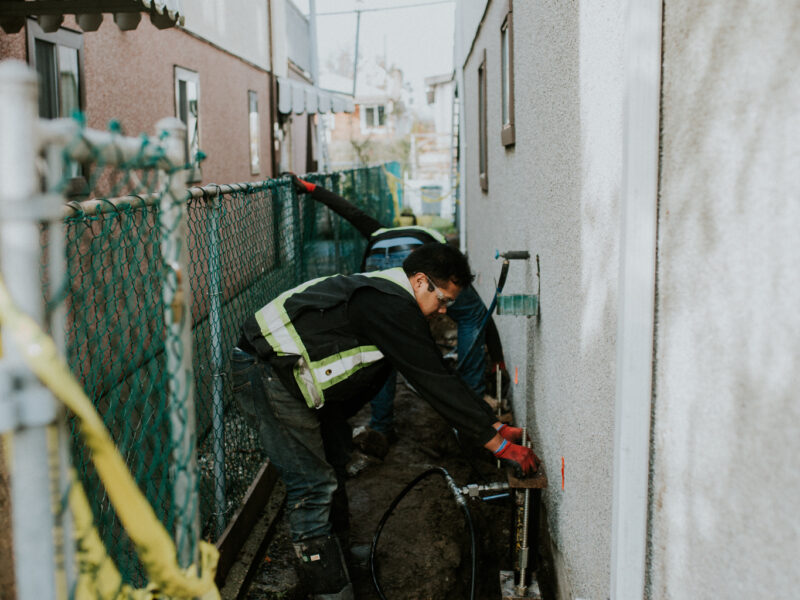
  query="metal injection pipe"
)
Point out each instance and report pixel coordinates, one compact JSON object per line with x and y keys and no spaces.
{"x":523,"y":551}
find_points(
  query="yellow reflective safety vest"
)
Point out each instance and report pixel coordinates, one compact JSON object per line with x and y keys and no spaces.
{"x":310,"y":324}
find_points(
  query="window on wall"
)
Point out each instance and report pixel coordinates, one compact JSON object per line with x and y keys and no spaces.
{"x":483,"y":158}
{"x":58,"y":60}
{"x":187,"y":109}
{"x":507,"y":134}
{"x":373,"y":117}
{"x":252,"y":107}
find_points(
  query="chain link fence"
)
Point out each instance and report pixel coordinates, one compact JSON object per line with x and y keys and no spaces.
{"x":246,"y":244}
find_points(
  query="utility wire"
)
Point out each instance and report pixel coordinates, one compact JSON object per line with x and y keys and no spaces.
{"x":364,"y":10}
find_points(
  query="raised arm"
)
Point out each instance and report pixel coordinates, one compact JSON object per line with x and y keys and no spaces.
{"x":364,"y":223}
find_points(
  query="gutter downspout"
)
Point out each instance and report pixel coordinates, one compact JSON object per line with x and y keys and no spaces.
{"x":273,"y":108}
{"x":322,"y":150}
{"x":635,"y":329}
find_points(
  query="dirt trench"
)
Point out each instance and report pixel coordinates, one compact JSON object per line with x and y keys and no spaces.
{"x":424,"y":548}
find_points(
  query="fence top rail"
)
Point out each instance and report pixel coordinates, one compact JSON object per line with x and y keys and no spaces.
{"x":99,"y":206}
{"x":211,"y":191}
{"x":113,"y":148}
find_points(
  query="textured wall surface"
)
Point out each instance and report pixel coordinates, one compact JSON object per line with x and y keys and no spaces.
{"x":727,"y":415}
{"x":556,"y":194}
{"x":129,"y":76}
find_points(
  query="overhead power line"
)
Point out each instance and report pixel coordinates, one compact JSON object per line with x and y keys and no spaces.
{"x":365,"y":10}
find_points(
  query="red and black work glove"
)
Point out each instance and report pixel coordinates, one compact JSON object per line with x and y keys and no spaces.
{"x":512,"y":434}
{"x":301,"y":186}
{"x":521,"y":459}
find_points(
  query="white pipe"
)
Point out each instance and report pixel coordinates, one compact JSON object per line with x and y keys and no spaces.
{"x":636,"y":300}
{"x":178,"y":344}
{"x":111,"y":148}
{"x":34,"y":408}
{"x":58,"y":278}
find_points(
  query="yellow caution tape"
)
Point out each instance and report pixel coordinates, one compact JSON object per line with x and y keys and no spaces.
{"x":153,"y":544}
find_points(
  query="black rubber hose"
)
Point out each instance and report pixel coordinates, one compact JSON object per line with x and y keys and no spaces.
{"x":500,"y":284}
{"x":459,"y":500}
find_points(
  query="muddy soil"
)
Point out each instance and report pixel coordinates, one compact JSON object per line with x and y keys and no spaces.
{"x":424,"y":548}
{"x":7,"y":587}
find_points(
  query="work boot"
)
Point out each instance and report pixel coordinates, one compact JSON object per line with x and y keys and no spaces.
{"x":373,"y":442}
{"x":322,"y":570}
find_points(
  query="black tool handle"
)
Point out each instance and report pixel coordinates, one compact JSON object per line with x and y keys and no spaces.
{"x":516,"y":254}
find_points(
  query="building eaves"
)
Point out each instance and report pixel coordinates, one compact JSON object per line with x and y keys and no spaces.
{"x":89,"y":13}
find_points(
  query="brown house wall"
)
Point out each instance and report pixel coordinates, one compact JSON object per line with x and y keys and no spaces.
{"x":129,"y":77}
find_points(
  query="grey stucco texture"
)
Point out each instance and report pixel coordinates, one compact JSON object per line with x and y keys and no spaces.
{"x":727,"y":417}
{"x":555,"y":193}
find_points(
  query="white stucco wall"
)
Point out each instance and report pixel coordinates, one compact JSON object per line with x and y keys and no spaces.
{"x":727,"y":414}
{"x":238,"y":26}
{"x":556,"y":194}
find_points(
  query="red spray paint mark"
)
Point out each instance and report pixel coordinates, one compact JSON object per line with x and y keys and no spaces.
{"x":516,"y":375}
{"x":562,"y":473}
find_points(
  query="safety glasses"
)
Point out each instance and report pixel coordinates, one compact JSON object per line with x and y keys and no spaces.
{"x":443,"y":300}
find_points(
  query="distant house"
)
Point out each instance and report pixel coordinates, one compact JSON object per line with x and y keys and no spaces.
{"x":301,"y":101}
{"x":379,"y":119}
{"x":646,"y":154}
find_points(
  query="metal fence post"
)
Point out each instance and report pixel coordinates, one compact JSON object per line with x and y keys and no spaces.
{"x":215,"y":338}
{"x":178,"y":342}
{"x":57,"y":321}
{"x":28,"y":408}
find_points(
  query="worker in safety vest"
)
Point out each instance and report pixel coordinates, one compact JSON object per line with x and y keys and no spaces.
{"x":388,"y":247}
{"x":311,"y":358}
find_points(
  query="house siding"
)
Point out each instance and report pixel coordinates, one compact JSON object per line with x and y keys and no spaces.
{"x":725,"y":420}
{"x":142,"y":91}
{"x":129,"y":77}
{"x":556,"y":194}
{"x":727,"y":417}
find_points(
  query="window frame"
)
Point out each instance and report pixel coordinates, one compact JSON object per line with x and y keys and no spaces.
{"x":508,"y":130}
{"x":63,"y":37}
{"x":483,"y":150}
{"x":254,"y":130}
{"x":377,"y":110}
{"x":195,"y":174}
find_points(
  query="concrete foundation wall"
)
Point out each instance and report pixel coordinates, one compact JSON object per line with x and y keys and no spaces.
{"x":556,"y":193}
{"x":727,"y":418}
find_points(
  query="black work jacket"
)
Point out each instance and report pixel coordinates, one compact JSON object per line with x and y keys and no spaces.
{"x":333,"y":340}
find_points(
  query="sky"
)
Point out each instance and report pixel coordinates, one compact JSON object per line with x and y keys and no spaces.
{"x":418,"y":39}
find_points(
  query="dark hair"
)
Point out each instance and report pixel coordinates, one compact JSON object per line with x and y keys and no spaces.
{"x":441,"y":263}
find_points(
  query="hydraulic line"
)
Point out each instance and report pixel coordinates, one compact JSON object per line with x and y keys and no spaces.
{"x":506,"y":256}
{"x":460,"y":500}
